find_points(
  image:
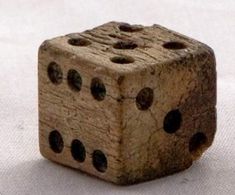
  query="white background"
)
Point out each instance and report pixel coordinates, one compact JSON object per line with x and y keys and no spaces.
{"x":25,"y":24}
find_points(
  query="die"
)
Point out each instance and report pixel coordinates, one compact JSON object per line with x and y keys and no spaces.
{"x":126,"y":103}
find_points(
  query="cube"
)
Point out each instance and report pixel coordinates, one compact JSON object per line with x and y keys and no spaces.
{"x":126,"y":103}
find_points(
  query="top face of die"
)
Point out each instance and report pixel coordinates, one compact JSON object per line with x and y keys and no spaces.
{"x":123,"y":48}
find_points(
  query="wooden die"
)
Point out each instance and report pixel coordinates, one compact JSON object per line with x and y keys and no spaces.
{"x":126,"y":103}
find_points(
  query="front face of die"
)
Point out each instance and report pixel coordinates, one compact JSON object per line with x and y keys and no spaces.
{"x":79,"y":120}
{"x":169,"y":116}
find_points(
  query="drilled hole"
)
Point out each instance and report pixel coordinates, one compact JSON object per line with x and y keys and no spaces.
{"x":55,"y":73}
{"x":99,"y":160}
{"x":113,"y":35}
{"x":122,"y":59}
{"x":125,"y":45}
{"x":74,"y":80}
{"x":78,"y":150}
{"x":197,"y":144}
{"x":172,"y":121}
{"x":174,"y":45}
{"x":98,"y":89}
{"x":56,"y":141}
{"x":79,"y":42}
{"x":129,"y":28}
{"x":144,"y":99}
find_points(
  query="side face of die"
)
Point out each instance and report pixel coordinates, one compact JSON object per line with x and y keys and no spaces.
{"x":126,"y":103}
{"x":169,"y":117}
{"x":79,"y":111}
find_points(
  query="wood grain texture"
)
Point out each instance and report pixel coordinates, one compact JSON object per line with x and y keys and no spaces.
{"x":179,"y":75}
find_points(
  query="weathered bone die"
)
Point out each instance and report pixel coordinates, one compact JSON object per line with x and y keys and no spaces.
{"x":126,"y":103}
